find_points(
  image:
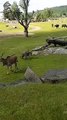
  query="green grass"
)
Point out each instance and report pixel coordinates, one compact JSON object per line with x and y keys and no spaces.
{"x":40,"y":64}
{"x":10,"y":28}
{"x":32,"y":101}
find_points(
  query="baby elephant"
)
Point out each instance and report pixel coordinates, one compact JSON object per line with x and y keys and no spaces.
{"x":9,"y":61}
{"x":26,"y":54}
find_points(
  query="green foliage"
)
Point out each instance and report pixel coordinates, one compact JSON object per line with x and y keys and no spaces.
{"x":49,"y":13}
{"x":59,"y":11}
{"x":24,"y":4}
{"x":11,"y":11}
{"x":7,"y":10}
{"x":52,"y":13}
{"x":15,"y":10}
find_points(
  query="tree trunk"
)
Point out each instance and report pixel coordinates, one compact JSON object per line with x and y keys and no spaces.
{"x":26,"y":32}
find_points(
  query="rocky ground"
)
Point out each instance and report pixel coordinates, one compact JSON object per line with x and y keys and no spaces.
{"x":49,"y":50}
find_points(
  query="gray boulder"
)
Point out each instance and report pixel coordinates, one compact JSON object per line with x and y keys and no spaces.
{"x":55,"y":50}
{"x":55,"y":76}
{"x":30,"y":76}
{"x":60,"y":50}
{"x":38,"y":48}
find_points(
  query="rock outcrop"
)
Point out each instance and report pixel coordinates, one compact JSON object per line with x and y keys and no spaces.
{"x":55,"y":76}
{"x":30,"y":76}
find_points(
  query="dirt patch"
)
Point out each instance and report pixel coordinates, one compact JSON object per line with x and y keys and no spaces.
{"x":35,"y":28}
{"x":5,"y":34}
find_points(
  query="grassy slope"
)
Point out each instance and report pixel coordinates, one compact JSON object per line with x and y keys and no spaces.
{"x":33,"y":101}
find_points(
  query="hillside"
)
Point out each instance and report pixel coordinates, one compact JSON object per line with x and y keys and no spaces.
{"x":61,"y":10}
{"x":54,"y":12}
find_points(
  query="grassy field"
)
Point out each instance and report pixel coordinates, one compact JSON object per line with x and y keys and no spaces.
{"x":32,"y":101}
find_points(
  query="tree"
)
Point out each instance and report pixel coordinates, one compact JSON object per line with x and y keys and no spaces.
{"x":49,"y":13}
{"x":7,"y":10}
{"x":25,"y":17}
{"x":15,"y":11}
{"x":38,"y":16}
